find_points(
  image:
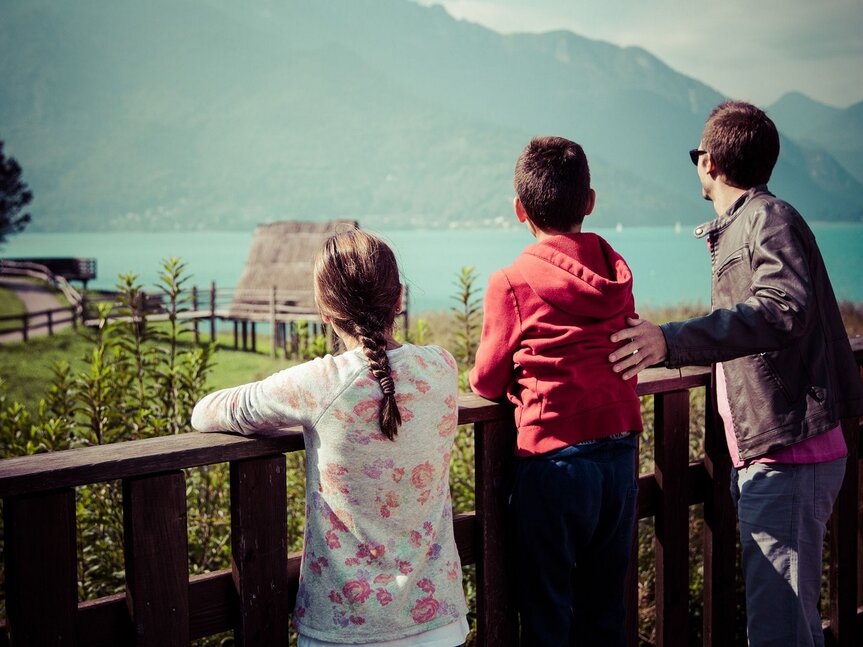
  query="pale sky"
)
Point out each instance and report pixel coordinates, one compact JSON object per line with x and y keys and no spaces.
{"x":755,"y":50}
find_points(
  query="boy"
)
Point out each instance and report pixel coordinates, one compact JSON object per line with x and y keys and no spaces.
{"x":784,"y":372}
{"x":545,"y":339}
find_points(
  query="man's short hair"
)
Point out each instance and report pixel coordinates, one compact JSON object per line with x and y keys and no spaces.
{"x":742,"y":142}
{"x":552,"y":180}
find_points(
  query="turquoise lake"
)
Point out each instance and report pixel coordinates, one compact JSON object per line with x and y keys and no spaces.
{"x":670,"y":267}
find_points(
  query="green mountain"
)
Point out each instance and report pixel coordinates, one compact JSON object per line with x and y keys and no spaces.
{"x":196,"y":114}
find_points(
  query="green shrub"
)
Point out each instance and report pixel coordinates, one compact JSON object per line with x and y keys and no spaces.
{"x":139,"y":380}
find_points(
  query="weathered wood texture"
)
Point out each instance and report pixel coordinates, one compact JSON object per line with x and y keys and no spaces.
{"x":720,"y":534}
{"x":844,"y":533}
{"x":496,"y":613}
{"x":41,"y":576}
{"x":259,"y":546}
{"x":157,"y":558}
{"x":101,"y":463}
{"x":671,"y":453}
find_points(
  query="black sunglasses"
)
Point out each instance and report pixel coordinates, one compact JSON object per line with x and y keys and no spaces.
{"x":694,"y":154}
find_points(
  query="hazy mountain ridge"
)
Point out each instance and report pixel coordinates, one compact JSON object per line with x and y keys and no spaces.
{"x":207,"y":114}
{"x":822,"y":128}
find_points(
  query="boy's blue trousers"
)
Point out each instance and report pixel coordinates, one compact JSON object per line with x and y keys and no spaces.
{"x":572,"y":518}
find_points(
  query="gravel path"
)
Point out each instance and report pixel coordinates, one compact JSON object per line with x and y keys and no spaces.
{"x":36,"y":298}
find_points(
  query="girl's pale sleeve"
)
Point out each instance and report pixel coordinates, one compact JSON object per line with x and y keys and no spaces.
{"x":287,"y":398}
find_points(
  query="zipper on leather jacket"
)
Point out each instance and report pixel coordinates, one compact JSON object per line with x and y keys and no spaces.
{"x":731,"y":260}
{"x":774,"y":374}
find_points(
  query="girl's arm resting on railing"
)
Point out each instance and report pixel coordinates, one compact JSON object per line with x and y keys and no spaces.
{"x":290,"y":397}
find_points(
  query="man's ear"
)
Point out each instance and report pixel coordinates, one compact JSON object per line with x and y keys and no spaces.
{"x":712,"y":170}
{"x":520,"y":211}
{"x":591,"y":203}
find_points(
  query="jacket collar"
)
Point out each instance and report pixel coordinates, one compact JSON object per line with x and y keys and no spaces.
{"x":726,"y":218}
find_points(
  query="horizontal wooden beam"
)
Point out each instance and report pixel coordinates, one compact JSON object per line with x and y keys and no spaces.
{"x":97,"y":464}
{"x":213,"y":600}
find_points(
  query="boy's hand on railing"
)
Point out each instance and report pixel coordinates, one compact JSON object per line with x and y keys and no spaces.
{"x":646,"y":346}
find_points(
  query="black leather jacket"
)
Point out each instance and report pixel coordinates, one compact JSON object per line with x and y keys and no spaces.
{"x":775,"y":326}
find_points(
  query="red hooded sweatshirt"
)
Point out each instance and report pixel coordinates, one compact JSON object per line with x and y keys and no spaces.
{"x":545,"y":343}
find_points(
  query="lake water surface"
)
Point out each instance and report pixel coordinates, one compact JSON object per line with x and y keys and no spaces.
{"x":670,"y":267}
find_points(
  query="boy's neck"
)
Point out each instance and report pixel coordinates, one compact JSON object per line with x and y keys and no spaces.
{"x":542,"y":234}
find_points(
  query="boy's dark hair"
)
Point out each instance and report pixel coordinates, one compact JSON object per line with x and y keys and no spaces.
{"x":552,"y":180}
{"x":742,"y":142}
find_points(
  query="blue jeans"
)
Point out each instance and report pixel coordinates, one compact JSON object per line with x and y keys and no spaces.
{"x":572,"y":521}
{"x":783,"y":511}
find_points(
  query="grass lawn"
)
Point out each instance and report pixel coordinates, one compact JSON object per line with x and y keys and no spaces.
{"x":10,"y":304}
{"x":26,"y":369}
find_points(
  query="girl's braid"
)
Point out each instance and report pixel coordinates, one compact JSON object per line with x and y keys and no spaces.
{"x":357,"y":286}
{"x":375,"y":350}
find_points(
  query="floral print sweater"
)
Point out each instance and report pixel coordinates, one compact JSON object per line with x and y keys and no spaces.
{"x":379,"y":556}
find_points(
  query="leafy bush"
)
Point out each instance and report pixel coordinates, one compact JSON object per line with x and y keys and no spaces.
{"x":141,"y":380}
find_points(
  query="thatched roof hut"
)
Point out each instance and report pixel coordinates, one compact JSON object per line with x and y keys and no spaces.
{"x":282,"y":256}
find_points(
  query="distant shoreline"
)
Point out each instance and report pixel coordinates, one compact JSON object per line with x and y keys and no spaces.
{"x":670,"y":266}
{"x":449,"y":227}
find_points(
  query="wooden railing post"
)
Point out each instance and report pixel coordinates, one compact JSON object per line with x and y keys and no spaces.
{"x":41,"y":574}
{"x":405,"y":311}
{"x":844,"y":526}
{"x":631,"y":584}
{"x":259,"y":544}
{"x":497,"y":620}
{"x":671,"y":415}
{"x":50,"y":323}
{"x":195,"y":309}
{"x":25,"y":323}
{"x":213,"y":311}
{"x":295,"y":339}
{"x":157,"y":562}
{"x":274,"y":322}
{"x":720,"y":532}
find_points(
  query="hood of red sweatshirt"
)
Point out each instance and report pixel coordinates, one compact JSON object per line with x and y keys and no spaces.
{"x":599,"y":283}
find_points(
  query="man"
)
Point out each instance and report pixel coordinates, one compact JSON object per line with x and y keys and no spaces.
{"x":784,"y":371}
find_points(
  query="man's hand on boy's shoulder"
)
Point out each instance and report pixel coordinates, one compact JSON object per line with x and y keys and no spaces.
{"x":645,"y":347}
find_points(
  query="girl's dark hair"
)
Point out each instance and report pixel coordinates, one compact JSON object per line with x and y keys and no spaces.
{"x":357,"y":284}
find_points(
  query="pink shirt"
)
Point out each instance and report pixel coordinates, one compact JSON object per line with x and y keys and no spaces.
{"x":819,"y":449}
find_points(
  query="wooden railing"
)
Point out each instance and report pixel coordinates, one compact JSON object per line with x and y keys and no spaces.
{"x":163,"y":606}
{"x":35,"y":321}
{"x":43,"y":273}
{"x":282,"y":312}
{"x":69,"y":268}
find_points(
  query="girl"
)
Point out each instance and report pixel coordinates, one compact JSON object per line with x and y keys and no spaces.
{"x":380,"y":565}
